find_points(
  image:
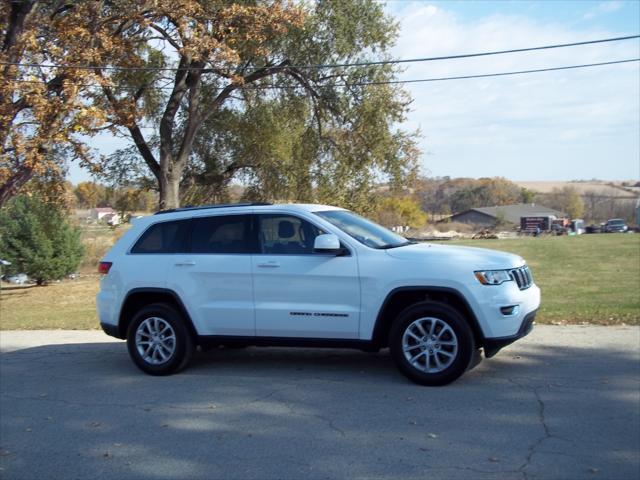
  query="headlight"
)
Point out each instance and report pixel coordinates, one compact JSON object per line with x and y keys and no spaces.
{"x":493,"y":277}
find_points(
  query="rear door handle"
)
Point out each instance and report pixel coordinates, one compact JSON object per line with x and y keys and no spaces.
{"x":186,"y":263}
{"x":269,"y":265}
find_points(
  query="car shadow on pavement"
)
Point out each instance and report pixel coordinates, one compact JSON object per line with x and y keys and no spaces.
{"x":84,"y":411}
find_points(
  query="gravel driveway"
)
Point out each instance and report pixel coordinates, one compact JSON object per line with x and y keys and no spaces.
{"x":564,"y":403}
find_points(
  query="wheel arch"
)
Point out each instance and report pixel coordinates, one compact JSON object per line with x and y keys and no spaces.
{"x":138,"y":298}
{"x":402,"y":297}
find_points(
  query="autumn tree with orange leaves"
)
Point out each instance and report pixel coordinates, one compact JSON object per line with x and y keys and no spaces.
{"x":216,"y":69}
{"x":157,"y":71}
{"x":185,"y":60}
{"x":43,"y":107}
{"x":42,"y":110}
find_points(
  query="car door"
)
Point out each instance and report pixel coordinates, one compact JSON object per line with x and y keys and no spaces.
{"x":214,"y":278}
{"x":299,"y":293}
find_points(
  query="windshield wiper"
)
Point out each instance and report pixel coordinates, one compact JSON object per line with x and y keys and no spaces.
{"x":396,"y":245}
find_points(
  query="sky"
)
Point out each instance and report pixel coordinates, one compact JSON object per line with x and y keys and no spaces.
{"x":566,"y":125}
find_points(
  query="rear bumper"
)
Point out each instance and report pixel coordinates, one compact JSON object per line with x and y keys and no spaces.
{"x":494,"y":345}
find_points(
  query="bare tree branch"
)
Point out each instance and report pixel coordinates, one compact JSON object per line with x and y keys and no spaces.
{"x":167,"y":36}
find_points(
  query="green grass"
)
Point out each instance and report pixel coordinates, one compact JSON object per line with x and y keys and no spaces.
{"x":69,"y":304}
{"x":584,"y":279}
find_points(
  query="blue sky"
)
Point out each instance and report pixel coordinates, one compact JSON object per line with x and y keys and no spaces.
{"x":620,"y":15}
{"x":576,"y":124}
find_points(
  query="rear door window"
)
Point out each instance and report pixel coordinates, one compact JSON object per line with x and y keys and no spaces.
{"x":164,"y":237}
{"x":223,"y":234}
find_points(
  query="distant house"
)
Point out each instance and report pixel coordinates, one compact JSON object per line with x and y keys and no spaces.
{"x":104,"y":215}
{"x":99,"y":213}
{"x":487,"y":216}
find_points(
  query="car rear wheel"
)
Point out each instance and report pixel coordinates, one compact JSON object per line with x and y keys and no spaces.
{"x":158,"y":341}
{"x":431,"y":343}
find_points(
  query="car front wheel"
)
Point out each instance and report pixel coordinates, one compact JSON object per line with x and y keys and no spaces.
{"x":158,"y":341}
{"x":431,"y":343}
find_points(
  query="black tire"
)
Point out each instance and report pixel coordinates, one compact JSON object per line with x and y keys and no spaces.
{"x":457,"y":359}
{"x":183,"y":346}
{"x":476,"y":359}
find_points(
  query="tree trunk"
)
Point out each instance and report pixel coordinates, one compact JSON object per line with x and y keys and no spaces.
{"x":169,"y":190}
{"x":17,"y":17}
{"x":14,"y":183}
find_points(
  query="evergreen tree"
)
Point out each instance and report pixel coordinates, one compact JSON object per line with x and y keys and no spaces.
{"x":39,"y":240}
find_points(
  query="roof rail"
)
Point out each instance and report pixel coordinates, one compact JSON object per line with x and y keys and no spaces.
{"x":218,"y":205}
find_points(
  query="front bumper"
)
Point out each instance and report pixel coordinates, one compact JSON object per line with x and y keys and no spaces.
{"x":111,"y":330}
{"x":494,"y":345}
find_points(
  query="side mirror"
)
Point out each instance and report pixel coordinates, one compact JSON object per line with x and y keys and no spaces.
{"x":327,"y":243}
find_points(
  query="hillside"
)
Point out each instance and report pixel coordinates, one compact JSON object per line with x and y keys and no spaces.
{"x":609,"y":189}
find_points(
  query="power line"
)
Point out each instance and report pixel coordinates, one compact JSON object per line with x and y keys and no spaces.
{"x":499,"y":74}
{"x":471,"y":55}
{"x":387,"y":82}
{"x":336,"y":65}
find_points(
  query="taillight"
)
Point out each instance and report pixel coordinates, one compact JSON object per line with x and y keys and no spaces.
{"x":104,"y":267}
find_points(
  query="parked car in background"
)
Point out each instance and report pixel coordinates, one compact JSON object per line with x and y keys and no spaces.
{"x":616,"y":225}
{"x":558,"y":229}
{"x":577,"y":226}
{"x":17,"y":279}
{"x":594,"y":228}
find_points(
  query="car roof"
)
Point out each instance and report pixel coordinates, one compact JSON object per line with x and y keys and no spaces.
{"x":177,"y":213}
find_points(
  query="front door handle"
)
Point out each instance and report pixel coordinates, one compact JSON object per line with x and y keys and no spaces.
{"x":186,"y":263}
{"x":269,"y":265}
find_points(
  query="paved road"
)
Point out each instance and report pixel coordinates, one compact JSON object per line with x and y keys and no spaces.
{"x":562,"y":404}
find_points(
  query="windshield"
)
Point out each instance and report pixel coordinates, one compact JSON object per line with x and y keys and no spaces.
{"x":616,"y":221}
{"x":365,"y":231}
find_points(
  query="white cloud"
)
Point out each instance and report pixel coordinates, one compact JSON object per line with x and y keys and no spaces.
{"x":558,"y":125}
{"x":602,"y":8}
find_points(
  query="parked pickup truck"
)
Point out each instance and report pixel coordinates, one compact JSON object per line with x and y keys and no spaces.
{"x":313,"y":276}
{"x":616,"y":225}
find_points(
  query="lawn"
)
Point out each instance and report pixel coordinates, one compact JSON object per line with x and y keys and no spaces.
{"x":69,"y":304}
{"x":585,"y":279}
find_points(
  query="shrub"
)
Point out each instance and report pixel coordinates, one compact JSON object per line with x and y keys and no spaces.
{"x":400,"y":211}
{"x":39,"y":240}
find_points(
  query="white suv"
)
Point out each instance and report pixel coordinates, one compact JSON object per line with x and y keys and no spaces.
{"x":308,"y":275}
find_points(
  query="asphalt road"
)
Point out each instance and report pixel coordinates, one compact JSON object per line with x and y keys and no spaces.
{"x":564,"y":403}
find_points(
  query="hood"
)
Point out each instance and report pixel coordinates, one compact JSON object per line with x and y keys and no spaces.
{"x":476,"y":258}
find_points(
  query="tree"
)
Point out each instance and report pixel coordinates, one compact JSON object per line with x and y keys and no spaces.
{"x":459,"y":194}
{"x":39,"y":240}
{"x":242,"y":62}
{"x":42,"y":110}
{"x":220,"y":47}
{"x":88,"y":194}
{"x":566,"y":199}
{"x":125,"y":65}
{"x":527,"y":196}
{"x":130,"y":200}
{"x":400,"y":211}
